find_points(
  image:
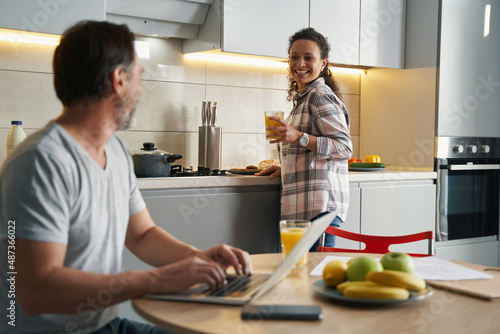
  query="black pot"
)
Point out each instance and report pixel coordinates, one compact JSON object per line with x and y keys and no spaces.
{"x":152,"y":162}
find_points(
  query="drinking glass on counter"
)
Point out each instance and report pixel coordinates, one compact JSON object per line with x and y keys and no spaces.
{"x":291,"y":231}
{"x":280,"y":114}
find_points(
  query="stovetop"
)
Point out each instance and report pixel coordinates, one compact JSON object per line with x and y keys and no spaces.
{"x":188,"y":171}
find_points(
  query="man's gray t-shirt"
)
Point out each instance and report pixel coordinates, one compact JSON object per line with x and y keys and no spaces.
{"x":52,"y":190}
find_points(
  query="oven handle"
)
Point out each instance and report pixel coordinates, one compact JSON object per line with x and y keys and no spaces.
{"x":475,"y":167}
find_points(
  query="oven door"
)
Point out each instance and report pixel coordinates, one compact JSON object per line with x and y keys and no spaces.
{"x":467,"y":198}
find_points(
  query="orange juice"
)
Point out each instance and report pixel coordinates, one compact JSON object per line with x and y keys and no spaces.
{"x":289,"y":237}
{"x":269,"y":122}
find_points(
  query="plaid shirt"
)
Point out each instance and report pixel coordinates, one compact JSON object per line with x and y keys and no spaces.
{"x":315,"y":182}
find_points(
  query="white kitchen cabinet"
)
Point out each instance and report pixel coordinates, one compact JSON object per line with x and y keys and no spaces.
{"x":253,"y":27}
{"x":49,"y":16}
{"x":362,"y":32}
{"x":262,"y":27}
{"x":382,"y":33}
{"x":390,"y":208}
{"x":338,"y":20}
{"x":398,"y":208}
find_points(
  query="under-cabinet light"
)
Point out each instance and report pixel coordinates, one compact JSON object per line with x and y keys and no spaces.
{"x":246,"y":60}
{"x":29,"y":37}
{"x":487,"y":12}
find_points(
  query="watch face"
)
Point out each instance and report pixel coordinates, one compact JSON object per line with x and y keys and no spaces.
{"x":304,"y":140}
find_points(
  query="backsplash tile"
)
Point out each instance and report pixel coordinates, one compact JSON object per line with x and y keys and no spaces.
{"x":241,"y":110}
{"x":16,"y":56}
{"x":168,"y":106}
{"x":246,"y":75}
{"x":29,"y":97}
{"x":169,"y":112}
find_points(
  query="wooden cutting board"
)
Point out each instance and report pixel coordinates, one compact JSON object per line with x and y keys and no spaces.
{"x":482,"y":288}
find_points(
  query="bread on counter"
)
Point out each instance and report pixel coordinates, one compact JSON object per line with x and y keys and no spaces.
{"x":268,"y":163}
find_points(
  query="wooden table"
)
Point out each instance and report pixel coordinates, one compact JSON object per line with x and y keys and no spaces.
{"x":443,"y":312}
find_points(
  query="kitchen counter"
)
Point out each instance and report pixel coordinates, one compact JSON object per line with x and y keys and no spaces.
{"x":390,"y":174}
{"x":394,"y":173}
{"x":205,"y":182}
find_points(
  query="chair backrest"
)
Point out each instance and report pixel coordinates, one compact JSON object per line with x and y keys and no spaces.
{"x":378,"y":244}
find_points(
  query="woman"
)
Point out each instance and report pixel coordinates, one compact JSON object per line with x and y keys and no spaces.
{"x":315,"y":140}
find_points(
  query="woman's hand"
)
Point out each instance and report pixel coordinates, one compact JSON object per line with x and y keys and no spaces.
{"x":273,"y":172}
{"x":285,"y":132}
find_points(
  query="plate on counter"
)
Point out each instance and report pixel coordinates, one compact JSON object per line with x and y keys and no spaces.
{"x":321,"y":288}
{"x":245,"y":171}
{"x":361,"y":169}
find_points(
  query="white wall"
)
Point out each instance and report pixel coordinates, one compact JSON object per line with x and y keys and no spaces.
{"x":169,"y":111}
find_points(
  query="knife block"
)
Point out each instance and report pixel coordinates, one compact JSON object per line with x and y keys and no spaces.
{"x":210,"y":147}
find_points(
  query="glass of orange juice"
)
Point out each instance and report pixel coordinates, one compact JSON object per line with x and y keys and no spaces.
{"x":280,"y":114}
{"x":291,"y":231}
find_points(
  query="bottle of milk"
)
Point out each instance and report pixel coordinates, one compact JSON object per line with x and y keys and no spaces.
{"x":16,"y":135}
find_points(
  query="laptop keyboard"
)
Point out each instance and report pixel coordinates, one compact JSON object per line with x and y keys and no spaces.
{"x":238,"y":285}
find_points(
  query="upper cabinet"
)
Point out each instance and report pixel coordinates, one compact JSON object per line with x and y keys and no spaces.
{"x":253,"y":27}
{"x":52,"y":17}
{"x":338,"y":20}
{"x":382,"y":33}
{"x":361,"y":32}
{"x":262,"y":27}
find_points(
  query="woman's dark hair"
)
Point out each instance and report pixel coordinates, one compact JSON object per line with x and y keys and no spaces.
{"x":88,"y":52}
{"x":324,"y":49}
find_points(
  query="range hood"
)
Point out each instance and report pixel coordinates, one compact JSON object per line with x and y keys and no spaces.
{"x":160,"y":18}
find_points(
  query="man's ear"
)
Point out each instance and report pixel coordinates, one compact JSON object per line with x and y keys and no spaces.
{"x":117,"y":80}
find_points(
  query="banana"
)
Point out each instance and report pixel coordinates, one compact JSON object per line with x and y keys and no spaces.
{"x":396,"y":279}
{"x":342,"y":286}
{"x":376,"y":292}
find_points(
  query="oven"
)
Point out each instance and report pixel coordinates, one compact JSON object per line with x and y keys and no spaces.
{"x":468,"y":187}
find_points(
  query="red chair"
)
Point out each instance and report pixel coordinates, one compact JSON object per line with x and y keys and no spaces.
{"x":378,"y":244}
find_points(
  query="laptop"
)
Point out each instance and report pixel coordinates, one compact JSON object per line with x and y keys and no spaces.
{"x":251,"y":288}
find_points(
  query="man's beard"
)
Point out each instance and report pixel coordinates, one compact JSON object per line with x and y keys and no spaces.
{"x":124,"y":118}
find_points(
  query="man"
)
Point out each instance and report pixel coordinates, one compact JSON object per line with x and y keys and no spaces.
{"x":71,"y":194}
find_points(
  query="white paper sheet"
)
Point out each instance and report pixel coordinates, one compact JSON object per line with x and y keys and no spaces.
{"x":433,"y":268}
{"x":428,"y":268}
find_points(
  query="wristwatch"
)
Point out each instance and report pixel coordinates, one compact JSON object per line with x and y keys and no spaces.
{"x":304,"y":140}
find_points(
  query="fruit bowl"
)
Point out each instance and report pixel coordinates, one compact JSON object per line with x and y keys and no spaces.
{"x":321,"y":288}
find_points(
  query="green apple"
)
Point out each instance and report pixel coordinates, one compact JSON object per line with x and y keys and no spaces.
{"x":360,"y":266}
{"x":398,"y":261}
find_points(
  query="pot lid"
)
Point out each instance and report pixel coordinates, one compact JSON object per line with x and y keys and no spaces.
{"x":150,"y":149}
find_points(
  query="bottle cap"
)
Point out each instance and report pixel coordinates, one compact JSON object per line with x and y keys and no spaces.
{"x":16,"y":123}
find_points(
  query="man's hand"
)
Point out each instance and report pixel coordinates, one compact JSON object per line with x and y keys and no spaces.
{"x":181,"y":275}
{"x":273,"y":172}
{"x":228,"y":256}
{"x":208,"y":267}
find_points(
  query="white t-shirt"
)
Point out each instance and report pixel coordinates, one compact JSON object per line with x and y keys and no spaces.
{"x":52,"y":190}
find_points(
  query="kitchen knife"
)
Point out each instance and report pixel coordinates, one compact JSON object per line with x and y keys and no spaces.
{"x":203,"y":113}
{"x":208,"y":112}
{"x":214,"y":114}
